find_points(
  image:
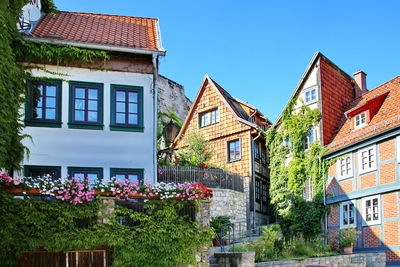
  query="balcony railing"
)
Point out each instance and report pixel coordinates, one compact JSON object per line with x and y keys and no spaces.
{"x":212,"y":178}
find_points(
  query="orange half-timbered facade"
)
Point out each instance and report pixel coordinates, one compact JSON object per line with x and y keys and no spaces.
{"x":234,"y":131}
{"x":363,"y":183}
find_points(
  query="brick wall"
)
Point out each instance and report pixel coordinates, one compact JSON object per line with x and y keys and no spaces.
{"x":372,"y":236}
{"x":228,"y":129}
{"x":390,"y":205}
{"x":368,"y":180}
{"x":388,"y":173}
{"x":387,"y":149}
{"x":337,"y":92}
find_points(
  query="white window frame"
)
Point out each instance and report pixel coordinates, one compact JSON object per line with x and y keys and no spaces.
{"x":308,"y":183}
{"x":363,"y":211}
{"x":310,"y":91}
{"x":362,"y":124}
{"x":347,"y":203}
{"x":206,"y":118}
{"x":360,"y":162}
{"x":339,"y":165}
{"x":398,"y":148}
{"x":307,"y":141}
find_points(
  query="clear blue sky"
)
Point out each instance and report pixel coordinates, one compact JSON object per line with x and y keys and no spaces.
{"x":258,"y":50}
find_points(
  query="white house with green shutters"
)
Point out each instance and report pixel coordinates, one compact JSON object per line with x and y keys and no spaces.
{"x":94,"y":121}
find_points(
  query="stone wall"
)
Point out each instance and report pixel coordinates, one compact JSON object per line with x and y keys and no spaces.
{"x":376,"y":259}
{"x":226,"y":202}
{"x":171,"y":96}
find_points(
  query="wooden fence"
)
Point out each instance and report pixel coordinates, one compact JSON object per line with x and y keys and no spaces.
{"x":212,"y":178}
{"x":82,"y":258}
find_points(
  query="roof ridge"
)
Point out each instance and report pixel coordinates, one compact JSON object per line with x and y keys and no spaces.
{"x":110,"y":15}
{"x":371,"y":91}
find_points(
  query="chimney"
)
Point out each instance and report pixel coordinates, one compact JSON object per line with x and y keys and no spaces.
{"x":360,"y":78}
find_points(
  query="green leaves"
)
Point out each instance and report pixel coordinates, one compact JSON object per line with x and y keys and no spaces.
{"x":290,"y":165}
{"x":159,"y":237}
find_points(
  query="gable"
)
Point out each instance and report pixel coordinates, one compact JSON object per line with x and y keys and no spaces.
{"x":209,"y":99}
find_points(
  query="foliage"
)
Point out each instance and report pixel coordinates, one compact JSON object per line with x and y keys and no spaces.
{"x":290,"y":165}
{"x":271,"y":247}
{"x":14,"y":50}
{"x":12,"y":87}
{"x":161,"y":238}
{"x":303,"y":217}
{"x":347,"y":237}
{"x":267,"y":246}
{"x":197,"y":153}
{"x":158,"y":237}
{"x":28,"y":51}
{"x":221,"y":225}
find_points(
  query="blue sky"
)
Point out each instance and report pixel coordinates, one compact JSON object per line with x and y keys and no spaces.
{"x":258,"y":50}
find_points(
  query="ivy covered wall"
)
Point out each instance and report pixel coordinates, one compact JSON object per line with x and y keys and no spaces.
{"x":290,"y":165}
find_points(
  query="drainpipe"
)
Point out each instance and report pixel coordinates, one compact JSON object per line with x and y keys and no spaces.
{"x":326,"y":216}
{"x":155,"y":115}
{"x":253,"y":178}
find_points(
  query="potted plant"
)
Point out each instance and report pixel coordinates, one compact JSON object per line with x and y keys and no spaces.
{"x":347,"y":237}
{"x":221,"y":225}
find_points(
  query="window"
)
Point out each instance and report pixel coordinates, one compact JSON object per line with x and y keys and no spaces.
{"x":345,"y":167}
{"x":264,"y":192}
{"x":126,"y":108}
{"x":307,"y":191}
{"x":367,"y":159}
{"x":256,"y":150}
{"x":44,"y":104}
{"x":371,"y":210}
{"x":257,"y":190}
{"x":40,"y":171}
{"x":347,"y":214}
{"x":208,"y":118}
{"x":310,"y":138}
{"x":133,"y":175}
{"x":311,"y":95}
{"x":93,"y":175}
{"x":86,"y":105}
{"x":234,"y":152}
{"x":360,"y":120}
{"x":263,"y":154}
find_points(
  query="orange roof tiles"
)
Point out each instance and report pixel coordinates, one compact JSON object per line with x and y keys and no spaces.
{"x":121,"y":31}
{"x":387,"y":117}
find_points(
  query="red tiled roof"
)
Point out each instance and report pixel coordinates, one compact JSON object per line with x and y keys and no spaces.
{"x":237,"y":105}
{"x":388,"y":115}
{"x":100,"y":29}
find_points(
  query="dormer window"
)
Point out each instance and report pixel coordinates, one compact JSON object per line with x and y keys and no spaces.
{"x":360,"y":120}
{"x":311,"y":95}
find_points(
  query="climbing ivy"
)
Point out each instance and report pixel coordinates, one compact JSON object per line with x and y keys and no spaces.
{"x":13,"y":51}
{"x":158,"y":237}
{"x":290,"y":165}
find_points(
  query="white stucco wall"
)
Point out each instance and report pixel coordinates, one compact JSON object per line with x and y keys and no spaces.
{"x":95,"y":148}
{"x":312,"y":81}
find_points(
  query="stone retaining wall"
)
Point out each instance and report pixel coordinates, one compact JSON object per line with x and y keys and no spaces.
{"x":376,"y":259}
{"x":226,"y":202}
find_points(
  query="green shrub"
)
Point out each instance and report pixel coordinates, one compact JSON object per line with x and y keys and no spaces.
{"x":158,"y":237}
{"x":221,"y":225}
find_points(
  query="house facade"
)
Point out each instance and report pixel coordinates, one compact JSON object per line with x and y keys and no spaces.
{"x":97,"y":120}
{"x":363,"y":183}
{"x":234,"y":131}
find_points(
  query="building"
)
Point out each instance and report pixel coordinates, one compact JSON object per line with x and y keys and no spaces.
{"x":233,"y":129}
{"x":363,"y":183}
{"x":94,"y":120}
{"x":171,"y":97}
